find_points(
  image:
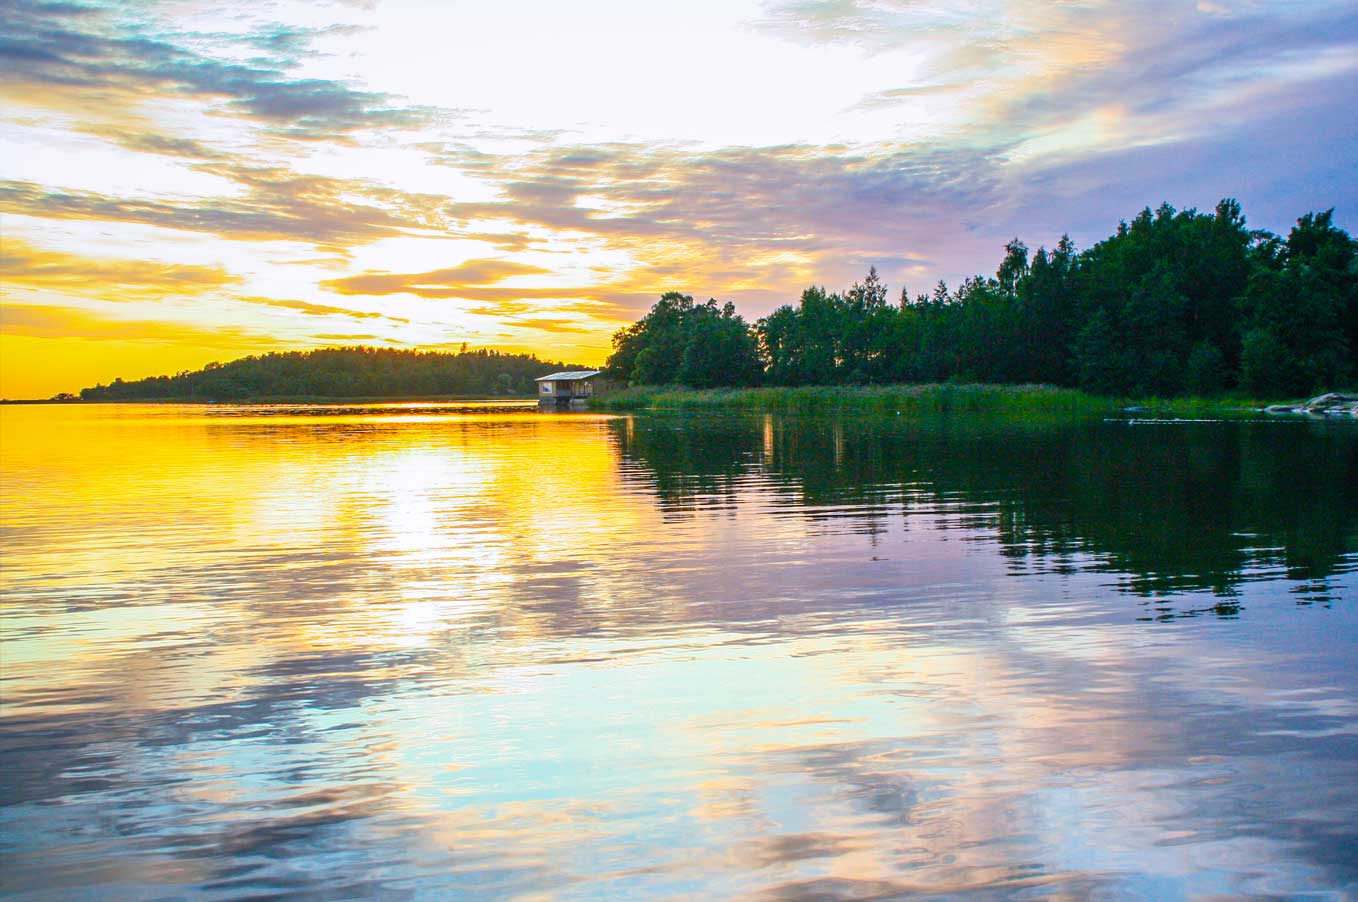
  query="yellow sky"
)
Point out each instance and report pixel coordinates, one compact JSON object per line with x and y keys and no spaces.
{"x":182,"y":182}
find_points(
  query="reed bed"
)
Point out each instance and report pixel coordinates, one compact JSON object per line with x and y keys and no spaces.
{"x":920,"y":399}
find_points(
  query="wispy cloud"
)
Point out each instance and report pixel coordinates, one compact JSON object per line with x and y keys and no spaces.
{"x":477,"y":282}
{"x":22,"y":265}
{"x":552,"y":326}
{"x":311,"y":309}
{"x":1025,"y":67}
{"x":355,"y":337}
{"x":276,"y":204}
{"x":50,"y":49}
{"x":152,"y":142}
{"x":741,"y":218}
{"x":42,"y":321}
{"x":435,"y":283}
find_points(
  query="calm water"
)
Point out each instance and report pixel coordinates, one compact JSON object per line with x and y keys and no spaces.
{"x":485,"y":653}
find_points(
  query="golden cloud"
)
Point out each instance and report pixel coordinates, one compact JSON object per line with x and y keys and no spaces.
{"x":41,"y":321}
{"x":449,"y":282}
{"x":149,"y":141}
{"x":276,"y":204}
{"x":542,"y":324}
{"x":21,"y":264}
{"x":318,"y":309}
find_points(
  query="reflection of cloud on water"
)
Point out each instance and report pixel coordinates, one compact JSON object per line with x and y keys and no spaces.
{"x":1088,"y":779}
{"x":490,"y":655}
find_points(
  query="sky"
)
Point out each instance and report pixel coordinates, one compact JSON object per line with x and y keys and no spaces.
{"x":187,"y":181}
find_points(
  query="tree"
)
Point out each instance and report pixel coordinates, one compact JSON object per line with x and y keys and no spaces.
{"x":1173,"y":301}
{"x":1013,"y":267}
{"x":869,"y":293}
{"x":720,"y":350}
{"x":339,"y":373}
{"x":679,"y":342}
{"x":1266,"y":367}
{"x":1301,"y":304}
{"x":665,"y":331}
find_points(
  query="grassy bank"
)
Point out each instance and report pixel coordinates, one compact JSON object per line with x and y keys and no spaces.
{"x":1014,"y":400}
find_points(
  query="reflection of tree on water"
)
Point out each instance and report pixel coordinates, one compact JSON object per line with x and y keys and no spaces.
{"x":1168,"y":508}
{"x":698,"y":465}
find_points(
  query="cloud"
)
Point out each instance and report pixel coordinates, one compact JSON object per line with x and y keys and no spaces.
{"x":1295,"y":156}
{"x":318,"y":309}
{"x":54,"y":49}
{"x":474,"y":280}
{"x":114,"y":280}
{"x":290,"y":41}
{"x":1171,"y":64}
{"x":1026,"y":66}
{"x":74,"y":322}
{"x":276,"y":204}
{"x":739,"y":220}
{"x":753,"y":224}
{"x":151,"y":142}
{"x":882,"y":100}
{"x":606,"y":302}
{"x":873,"y":25}
{"x":749,"y":196}
{"x":543,"y":324}
{"x":435,"y":283}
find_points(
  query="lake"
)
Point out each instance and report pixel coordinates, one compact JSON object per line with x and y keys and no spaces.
{"x":473,"y":651}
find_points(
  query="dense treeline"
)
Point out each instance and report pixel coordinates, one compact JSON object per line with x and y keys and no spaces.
{"x":340,"y":373}
{"x":1173,"y":303}
{"x":699,"y":345}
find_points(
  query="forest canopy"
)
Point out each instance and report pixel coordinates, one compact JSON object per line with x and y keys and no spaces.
{"x":342,"y":373}
{"x":1172,"y":303}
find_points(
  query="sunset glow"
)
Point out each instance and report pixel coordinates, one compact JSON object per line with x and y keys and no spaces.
{"x":185,"y":181}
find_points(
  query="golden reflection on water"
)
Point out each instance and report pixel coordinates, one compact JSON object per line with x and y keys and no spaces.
{"x":475,"y":652}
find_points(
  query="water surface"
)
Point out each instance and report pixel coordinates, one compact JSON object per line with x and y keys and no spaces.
{"x":480,"y":652}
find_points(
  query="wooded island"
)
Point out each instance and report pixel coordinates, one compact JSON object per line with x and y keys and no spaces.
{"x":356,"y":372}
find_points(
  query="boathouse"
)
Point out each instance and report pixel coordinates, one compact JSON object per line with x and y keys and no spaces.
{"x":571,"y":386}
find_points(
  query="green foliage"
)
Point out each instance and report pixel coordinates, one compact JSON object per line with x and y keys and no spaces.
{"x":341,"y":373}
{"x":1009,"y":402}
{"x":1101,"y":363}
{"x":1304,"y":296}
{"x":1266,"y":363}
{"x":1206,"y":373}
{"x":1173,"y":302}
{"x":903,"y":399}
{"x":701,"y":345}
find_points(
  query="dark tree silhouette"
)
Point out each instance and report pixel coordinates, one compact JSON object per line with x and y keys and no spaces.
{"x":340,"y":373}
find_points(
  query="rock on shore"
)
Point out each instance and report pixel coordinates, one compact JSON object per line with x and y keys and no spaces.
{"x":1331,"y":404}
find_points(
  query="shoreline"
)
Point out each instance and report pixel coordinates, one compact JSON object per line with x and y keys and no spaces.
{"x":284,"y":399}
{"x":916,"y":399}
{"x":921,"y":399}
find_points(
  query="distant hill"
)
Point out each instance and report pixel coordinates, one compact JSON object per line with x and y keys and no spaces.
{"x":353,"y":372}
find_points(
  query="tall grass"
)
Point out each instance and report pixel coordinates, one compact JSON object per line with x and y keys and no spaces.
{"x":1011,"y":400}
{"x":913,"y":399}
